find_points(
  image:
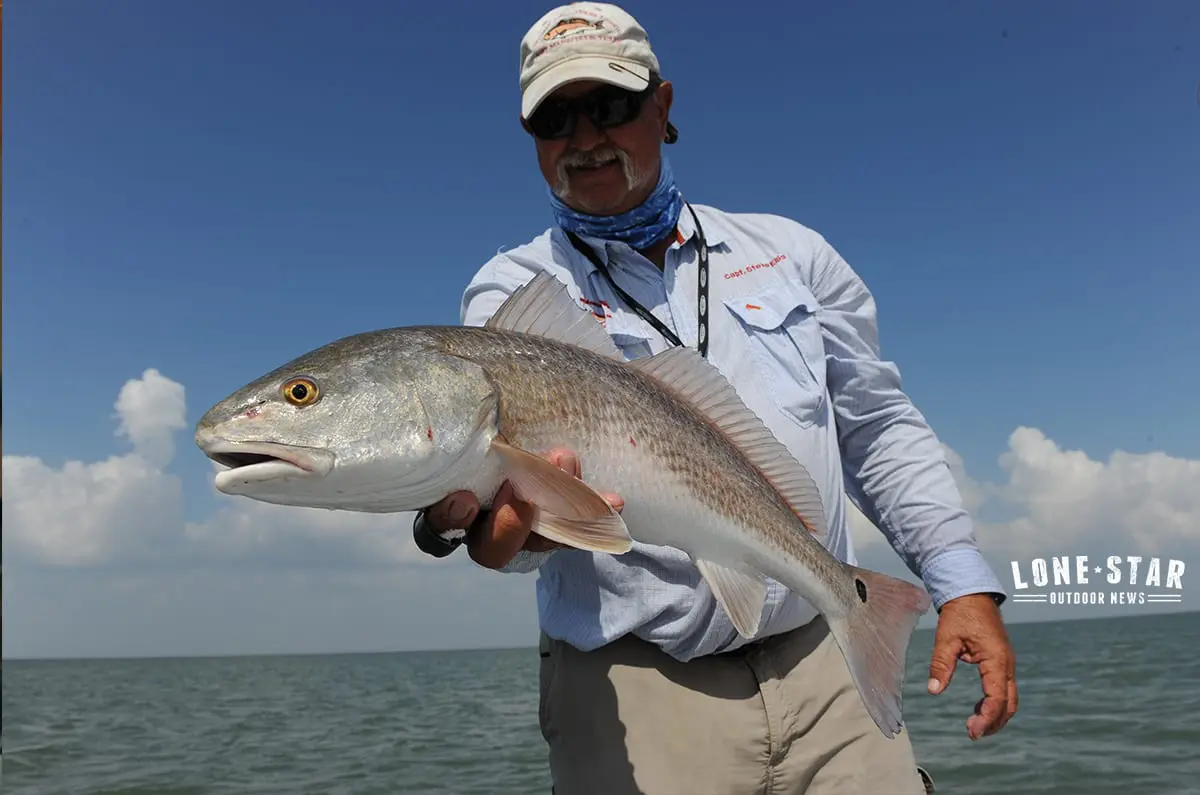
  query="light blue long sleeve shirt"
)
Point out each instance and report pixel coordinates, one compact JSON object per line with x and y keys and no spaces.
{"x":794,"y":329}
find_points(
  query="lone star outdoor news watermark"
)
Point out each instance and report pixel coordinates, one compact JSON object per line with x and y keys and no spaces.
{"x":1058,"y":582}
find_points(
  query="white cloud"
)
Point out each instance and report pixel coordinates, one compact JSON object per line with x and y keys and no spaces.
{"x":1063,"y":502}
{"x":1146,"y":502}
{"x":290,"y":568}
{"x":86,"y":514}
{"x":121,"y":507}
{"x":150,"y":410}
{"x":275,"y":536}
{"x":101,"y":560}
{"x":128,"y":508}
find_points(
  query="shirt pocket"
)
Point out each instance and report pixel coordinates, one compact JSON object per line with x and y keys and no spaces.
{"x":783,"y":333}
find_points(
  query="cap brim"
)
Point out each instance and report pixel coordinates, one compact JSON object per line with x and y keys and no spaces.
{"x":617,"y":71}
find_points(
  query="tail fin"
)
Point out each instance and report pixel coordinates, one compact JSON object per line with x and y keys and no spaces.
{"x":874,"y":640}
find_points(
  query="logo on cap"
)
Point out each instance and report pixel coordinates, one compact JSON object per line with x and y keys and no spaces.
{"x":572,"y":25}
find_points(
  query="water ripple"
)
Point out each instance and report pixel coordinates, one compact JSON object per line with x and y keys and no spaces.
{"x":1108,"y":707}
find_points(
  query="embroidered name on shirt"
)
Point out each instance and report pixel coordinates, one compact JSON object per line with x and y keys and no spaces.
{"x":771,"y":263}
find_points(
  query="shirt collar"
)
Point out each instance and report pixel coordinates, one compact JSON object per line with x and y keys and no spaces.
{"x":714,"y":235}
{"x":685,"y":230}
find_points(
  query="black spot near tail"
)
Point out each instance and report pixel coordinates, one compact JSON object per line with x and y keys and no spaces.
{"x":861,"y":587}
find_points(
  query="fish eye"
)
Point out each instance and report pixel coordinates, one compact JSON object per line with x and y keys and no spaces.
{"x":301,"y":392}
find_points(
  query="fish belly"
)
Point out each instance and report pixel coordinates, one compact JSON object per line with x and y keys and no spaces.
{"x":661,"y":509}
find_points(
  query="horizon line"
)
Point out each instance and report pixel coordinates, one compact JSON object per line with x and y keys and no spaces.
{"x":517,"y":647}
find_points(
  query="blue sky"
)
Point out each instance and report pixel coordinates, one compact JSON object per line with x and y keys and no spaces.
{"x":210,"y":189}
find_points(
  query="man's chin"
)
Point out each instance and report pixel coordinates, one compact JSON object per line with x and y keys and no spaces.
{"x":602,"y":192}
{"x":595,"y":202}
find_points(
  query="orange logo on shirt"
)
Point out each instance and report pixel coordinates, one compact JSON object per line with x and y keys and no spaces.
{"x":598,"y":308}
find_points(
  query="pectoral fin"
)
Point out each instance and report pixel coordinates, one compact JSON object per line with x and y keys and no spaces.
{"x":593,"y":535}
{"x":569,"y":511}
{"x":741,"y":594}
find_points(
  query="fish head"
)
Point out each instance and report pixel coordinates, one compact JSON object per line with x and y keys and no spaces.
{"x":350,"y":425}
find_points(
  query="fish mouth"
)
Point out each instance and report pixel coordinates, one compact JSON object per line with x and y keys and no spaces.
{"x":240,"y":460}
{"x":252,"y":463}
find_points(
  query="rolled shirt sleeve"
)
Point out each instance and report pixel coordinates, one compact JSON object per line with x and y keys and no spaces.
{"x":896,"y":470}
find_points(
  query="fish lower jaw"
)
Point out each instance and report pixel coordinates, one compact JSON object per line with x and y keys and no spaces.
{"x":246,"y":478}
{"x":255,"y":462}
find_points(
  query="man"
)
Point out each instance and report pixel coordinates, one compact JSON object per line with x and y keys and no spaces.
{"x":645,"y":685}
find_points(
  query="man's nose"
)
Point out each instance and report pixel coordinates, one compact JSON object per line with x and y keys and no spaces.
{"x":586,"y":135}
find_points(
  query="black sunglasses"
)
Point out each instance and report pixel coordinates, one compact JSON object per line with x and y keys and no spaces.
{"x":607,"y":106}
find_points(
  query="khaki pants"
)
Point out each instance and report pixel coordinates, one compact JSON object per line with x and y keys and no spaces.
{"x":780,"y":717}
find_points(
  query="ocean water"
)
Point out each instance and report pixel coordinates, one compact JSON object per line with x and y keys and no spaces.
{"x":1108,"y":707}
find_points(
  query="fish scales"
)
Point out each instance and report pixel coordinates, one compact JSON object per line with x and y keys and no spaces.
{"x":557,"y":395}
{"x":396,"y":419}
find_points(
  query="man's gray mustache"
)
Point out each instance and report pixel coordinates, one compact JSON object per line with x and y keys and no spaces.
{"x":593,"y":158}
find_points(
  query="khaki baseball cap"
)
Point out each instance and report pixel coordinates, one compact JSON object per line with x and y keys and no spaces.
{"x":584,"y":41}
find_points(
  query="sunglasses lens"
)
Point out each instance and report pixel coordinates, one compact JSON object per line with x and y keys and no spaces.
{"x":553,"y":120}
{"x":604,"y":107}
{"x":613,"y":108}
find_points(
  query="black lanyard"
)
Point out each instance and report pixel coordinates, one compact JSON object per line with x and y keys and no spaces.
{"x":643,"y":312}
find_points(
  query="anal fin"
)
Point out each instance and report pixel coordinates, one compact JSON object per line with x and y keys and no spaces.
{"x":741,"y":594}
{"x":569,"y":511}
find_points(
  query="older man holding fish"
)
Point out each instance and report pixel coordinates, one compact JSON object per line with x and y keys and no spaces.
{"x":661,"y":408}
{"x":646,"y":684}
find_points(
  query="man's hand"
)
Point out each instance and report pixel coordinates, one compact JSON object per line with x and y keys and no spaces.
{"x":494,"y":540}
{"x":970,"y":628}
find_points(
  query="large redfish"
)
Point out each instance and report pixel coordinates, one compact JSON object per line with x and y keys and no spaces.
{"x":394,"y":420}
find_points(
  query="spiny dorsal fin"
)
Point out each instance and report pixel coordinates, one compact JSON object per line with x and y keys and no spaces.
{"x":693,"y":379}
{"x":542,"y":306}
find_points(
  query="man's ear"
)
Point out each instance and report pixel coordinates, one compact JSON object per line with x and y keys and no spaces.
{"x":663,"y":97}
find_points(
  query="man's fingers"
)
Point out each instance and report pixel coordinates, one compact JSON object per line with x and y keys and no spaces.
{"x":993,"y":710}
{"x":1010,"y":704}
{"x":506,"y":530}
{"x":566,"y":460}
{"x":946,"y":648}
{"x":1012,"y":700}
{"x":455,"y":512}
{"x":614,"y":500}
{"x":498,"y":539}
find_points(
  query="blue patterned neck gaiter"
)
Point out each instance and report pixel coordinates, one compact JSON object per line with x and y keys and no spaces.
{"x":640,"y":227}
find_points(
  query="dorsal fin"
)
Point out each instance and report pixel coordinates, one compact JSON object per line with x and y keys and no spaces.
{"x":693,"y":379}
{"x":542,"y":306}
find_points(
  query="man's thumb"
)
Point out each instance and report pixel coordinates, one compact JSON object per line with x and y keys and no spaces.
{"x":941,"y":666}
